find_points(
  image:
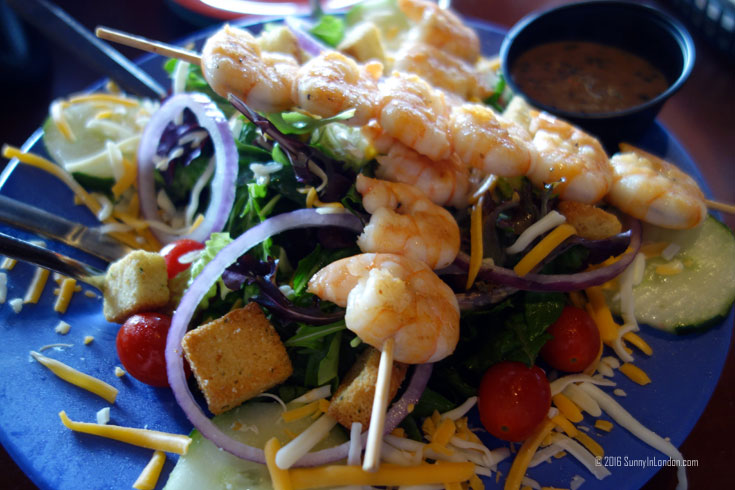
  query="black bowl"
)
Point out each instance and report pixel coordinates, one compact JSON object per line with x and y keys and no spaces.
{"x":640,"y":29}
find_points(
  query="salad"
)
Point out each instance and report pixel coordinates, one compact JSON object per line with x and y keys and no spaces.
{"x":517,"y":270}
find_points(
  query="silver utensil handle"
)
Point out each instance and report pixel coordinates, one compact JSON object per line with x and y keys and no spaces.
{"x":48,"y":259}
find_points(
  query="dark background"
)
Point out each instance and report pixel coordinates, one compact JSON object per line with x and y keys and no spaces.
{"x":701,"y":116}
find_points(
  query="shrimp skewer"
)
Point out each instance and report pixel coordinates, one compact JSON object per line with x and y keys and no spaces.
{"x":655,"y":191}
{"x":398,"y":305}
{"x":404,"y":221}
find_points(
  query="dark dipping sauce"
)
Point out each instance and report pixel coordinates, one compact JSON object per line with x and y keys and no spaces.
{"x":586,"y":77}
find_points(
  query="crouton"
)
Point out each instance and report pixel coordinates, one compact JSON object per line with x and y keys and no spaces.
{"x":136,"y":283}
{"x":236,"y":357}
{"x":353,"y":400}
{"x":590,"y":221}
{"x":364,"y":42}
{"x":280,"y":40}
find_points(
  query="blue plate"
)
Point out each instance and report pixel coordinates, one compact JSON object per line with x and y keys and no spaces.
{"x":684,"y":370}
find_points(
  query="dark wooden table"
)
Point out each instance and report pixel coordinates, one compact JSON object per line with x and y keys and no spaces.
{"x":701,"y":116}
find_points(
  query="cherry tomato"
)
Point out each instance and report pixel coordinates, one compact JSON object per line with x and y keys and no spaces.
{"x":141,"y":343}
{"x":576,"y":341}
{"x":173,"y":252}
{"x":513,"y":400}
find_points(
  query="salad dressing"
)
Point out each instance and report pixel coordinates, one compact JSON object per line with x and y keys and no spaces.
{"x":587,"y":77}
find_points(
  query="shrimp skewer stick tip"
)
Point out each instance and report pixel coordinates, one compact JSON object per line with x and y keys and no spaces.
{"x":380,"y":405}
{"x":148,"y":45}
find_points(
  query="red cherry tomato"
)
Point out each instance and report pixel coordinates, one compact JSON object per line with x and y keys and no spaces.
{"x":173,"y":252}
{"x":576,"y":341}
{"x":141,"y":345}
{"x":513,"y":400}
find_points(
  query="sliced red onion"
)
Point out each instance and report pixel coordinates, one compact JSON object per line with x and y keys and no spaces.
{"x":559,"y":282}
{"x":222,"y":195}
{"x":302,"y":218}
{"x":307,"y":41}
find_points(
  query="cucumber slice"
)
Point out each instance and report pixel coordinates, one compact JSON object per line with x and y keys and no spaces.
{"x":702,"y":294}
{"x":103,"y":131}
{"x":206,"y":467}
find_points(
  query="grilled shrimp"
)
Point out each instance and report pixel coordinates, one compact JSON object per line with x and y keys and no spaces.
{"x":389,"y":295}
{"x":570,"y":157}
{"x":404,"y":221}
{"x":655,"y":191}
{"x":232,"y":62}
{"x":445,"y":182}
{"x":442,"y":29}
{"x":489,"y":142}
{"x":416,"y":114}
{"x":332,"y":83}
{"x":443,"y":70}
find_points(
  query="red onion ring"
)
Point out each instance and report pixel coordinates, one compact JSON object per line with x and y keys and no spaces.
{"x":559,"y":282}
{"x":308,"y":42}
{"x":182,"y":316}
{"x":225,"y":152}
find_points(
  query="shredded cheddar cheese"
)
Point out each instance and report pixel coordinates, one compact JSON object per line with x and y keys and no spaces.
{"x":101,"y":97}
{"x":635,"y":373}
{"x":525,"y":454}
{"x":476,"y":246}
{"x":8,"y":263}
{"x":152,"y":471}
{"x":590,"y":444}
{"x":279,"y":477}
{"x":637,"y":341}
{"x":56,"y":112}
{"x":312,"y":201}
{"x":77,"y":378}
{"x":151,"y":439}
{"x":127,"y":179}
{"x":605,"y":425}
{"x":543,"y":248}
{"x":567,"y":407}
{"x":564,"y":424}
{"x":68,"y":286}
{"x":387,"y":475}
{"x":300,"y":412}
{"x":40,"y":276}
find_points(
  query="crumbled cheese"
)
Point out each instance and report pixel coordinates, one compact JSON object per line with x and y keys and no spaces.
{"x":119,"y":372}
{"x":88,"y":339}
{"x":103,"y":415}
{"x":16,"y":304}
{"x":62,"y":328}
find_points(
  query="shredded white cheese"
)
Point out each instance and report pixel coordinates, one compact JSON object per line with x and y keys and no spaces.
{"x":581,"y":454}
{"x":670,"y":251}
{"x":576,"y":482}
{"x":304,"y":442}
{"x":314,"y":395}
{"x":461,"y":410}
{"x":262,"y":171}
{"x":558,"y":385}
{"x":627,"y":421}
{"x":196,"y":191}
{"x":548,"y":222}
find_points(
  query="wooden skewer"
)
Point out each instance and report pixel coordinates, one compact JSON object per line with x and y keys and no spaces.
{"x":148,"y":45}
{"x":720,"y":206}
{"x":380,"y":405}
